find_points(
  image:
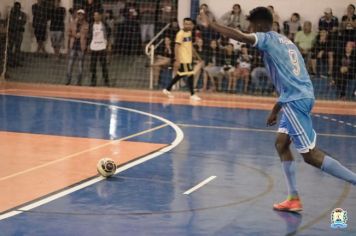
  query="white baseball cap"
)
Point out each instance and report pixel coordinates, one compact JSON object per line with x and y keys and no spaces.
{"x":81,"y":11}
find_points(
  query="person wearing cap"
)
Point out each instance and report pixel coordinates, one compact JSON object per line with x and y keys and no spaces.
{"x":78,"y":37}
{"x":328,"y":22}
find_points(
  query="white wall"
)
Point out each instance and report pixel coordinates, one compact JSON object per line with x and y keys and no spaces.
{"x":29,"y":41}
{"x":308,"y":9}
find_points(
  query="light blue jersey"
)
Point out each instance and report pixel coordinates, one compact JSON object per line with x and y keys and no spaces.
{"x":286,"y":66}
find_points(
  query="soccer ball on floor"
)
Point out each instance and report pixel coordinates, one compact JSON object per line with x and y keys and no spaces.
{"x":106,"y":167}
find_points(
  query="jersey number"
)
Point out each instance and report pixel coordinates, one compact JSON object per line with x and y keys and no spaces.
{"x":294,"y":60}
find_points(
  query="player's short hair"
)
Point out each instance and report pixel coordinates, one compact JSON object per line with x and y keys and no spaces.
{"x":260,"y":15}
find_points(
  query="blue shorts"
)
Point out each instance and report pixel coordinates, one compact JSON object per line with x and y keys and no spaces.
{"x":296,"y":122}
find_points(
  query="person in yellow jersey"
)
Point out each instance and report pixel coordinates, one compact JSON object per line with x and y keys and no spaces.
{"x":183,"y":59}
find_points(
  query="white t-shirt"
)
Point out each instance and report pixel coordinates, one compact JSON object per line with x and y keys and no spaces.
{"x":99,"y":41}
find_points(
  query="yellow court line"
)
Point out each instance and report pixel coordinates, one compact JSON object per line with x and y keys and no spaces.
{"x":82,"y":152}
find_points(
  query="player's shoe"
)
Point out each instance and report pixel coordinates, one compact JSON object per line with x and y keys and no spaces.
{"x":195,"y":97}
{"x":167,"y":93}
{"x":293,"y":205}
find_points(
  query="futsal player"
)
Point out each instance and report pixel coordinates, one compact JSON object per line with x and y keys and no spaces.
{"x":296,"y":99}
{"x":184,"y":59}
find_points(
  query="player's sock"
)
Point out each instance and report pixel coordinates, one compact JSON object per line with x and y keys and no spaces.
{"x":334,"y":168}
{"x":289,"y":173}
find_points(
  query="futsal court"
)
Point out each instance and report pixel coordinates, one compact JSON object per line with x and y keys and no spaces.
{"x":52,"y":138}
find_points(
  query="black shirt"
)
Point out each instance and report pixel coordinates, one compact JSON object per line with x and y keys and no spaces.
{"x":57,"y":19}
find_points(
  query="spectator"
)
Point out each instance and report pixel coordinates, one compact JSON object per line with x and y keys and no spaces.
{"x":90,"y":7}
{"x":259,"y":75}
{"x":99,"y":35}
{"x":78,"y":36}
{"x":167,"y":12}
{"x":305,"y":40}
{"x":292,"y":26}
{"x":147,"y":22}
{"x":243,"y":68}
{"x":322,"y":56}
{"x":206,"y":33}
{"x":16,"y":30}
{"x":328,"y":22}
{"x":57,"y":27}
{"x":346,"y":68}
{"x":235,"y":18}
{"x":213,"y":68}
{"x":229,"y":61}
{"x":39,"y":24}
{"x":276,"y":17}
{"x":276,"y":27}
{"x":198,"y":60}
{"x":164,"y":58}
{"x":173,"y":29}
{"x":110,"y":22}
{"x":348,"y":24}
{"x":130,"y":35}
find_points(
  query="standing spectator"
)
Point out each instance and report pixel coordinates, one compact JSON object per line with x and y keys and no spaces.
{"x":235,"y":18}
{"x":78,"y":37}
{"x":90,"y":7}
{"x":198,"y":60}
{"x":147,"y":22}
{"x":346,"y":68}
{"x":110,"y":22}
{"x":173,"y":29}
{"x":213,"y":67}
{"x":292,"y":26}
{"x":348,"y":25}
{"x":100,"y":35}
{"x":276,"y":17}
{"x":16,"y":29}
{"x":39,"y":24}
{"x":207,"y":34}
{"x":305,"y":40}
{"x":130,"y":37}
{"x":57,"y":27}
{"x":167,"y":12}
{"x":184,"y":59}
{"x":322,"y":56}
{"x":243,"y":68}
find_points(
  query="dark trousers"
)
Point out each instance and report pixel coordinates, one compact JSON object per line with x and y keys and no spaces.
{"x":101,"y":55}
{"x":14,"y":47}
{"x":177,"y":78}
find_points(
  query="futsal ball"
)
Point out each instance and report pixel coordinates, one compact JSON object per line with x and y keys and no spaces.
{"x":106,"y":167}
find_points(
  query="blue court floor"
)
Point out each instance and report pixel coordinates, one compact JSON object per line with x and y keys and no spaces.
{"x":147,"y":199}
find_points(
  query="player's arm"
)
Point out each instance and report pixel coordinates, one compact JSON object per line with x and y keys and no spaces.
{"x":272,"y":118}
{"x":227,"y":31}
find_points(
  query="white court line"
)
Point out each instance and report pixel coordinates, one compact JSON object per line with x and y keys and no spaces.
{"x":201,"y":184}
{"x":178,"y":140}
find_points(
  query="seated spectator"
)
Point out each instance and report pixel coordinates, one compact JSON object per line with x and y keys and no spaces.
{"x":322,"y":56}
{"x":291,"y":27}
{"x":235,"y":18}
{"x":329,"y":23}
{"x":243,"y":68}
{"x":207,"y":34}
{"x":164,"y":58}
{"x":275,"y":15}
{"x":346,"y":68}
{"x":229,"y":62}
{"x":213,"y":67}
{"x":305,"y":40}
{"x":17,"y":23}
{"x":348,"y":25}
{"x":276,"y":27}
{"x":259,"y":76}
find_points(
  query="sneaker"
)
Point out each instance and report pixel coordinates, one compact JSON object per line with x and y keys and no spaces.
{"x":293,"y":205}
{"x":195,"y":97}
{"x":167,"y":93}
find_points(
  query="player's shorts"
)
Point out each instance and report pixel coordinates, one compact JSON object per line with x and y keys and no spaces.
{"x":185,"y":69}
{"x":297,"y":123}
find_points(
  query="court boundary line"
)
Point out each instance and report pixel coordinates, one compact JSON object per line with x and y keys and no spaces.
{"x":179,"y":138}
{"x":199,"y":185}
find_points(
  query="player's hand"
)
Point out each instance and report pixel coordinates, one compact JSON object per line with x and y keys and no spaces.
{"x":204,"y":19}
{"x":272,"y":119}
